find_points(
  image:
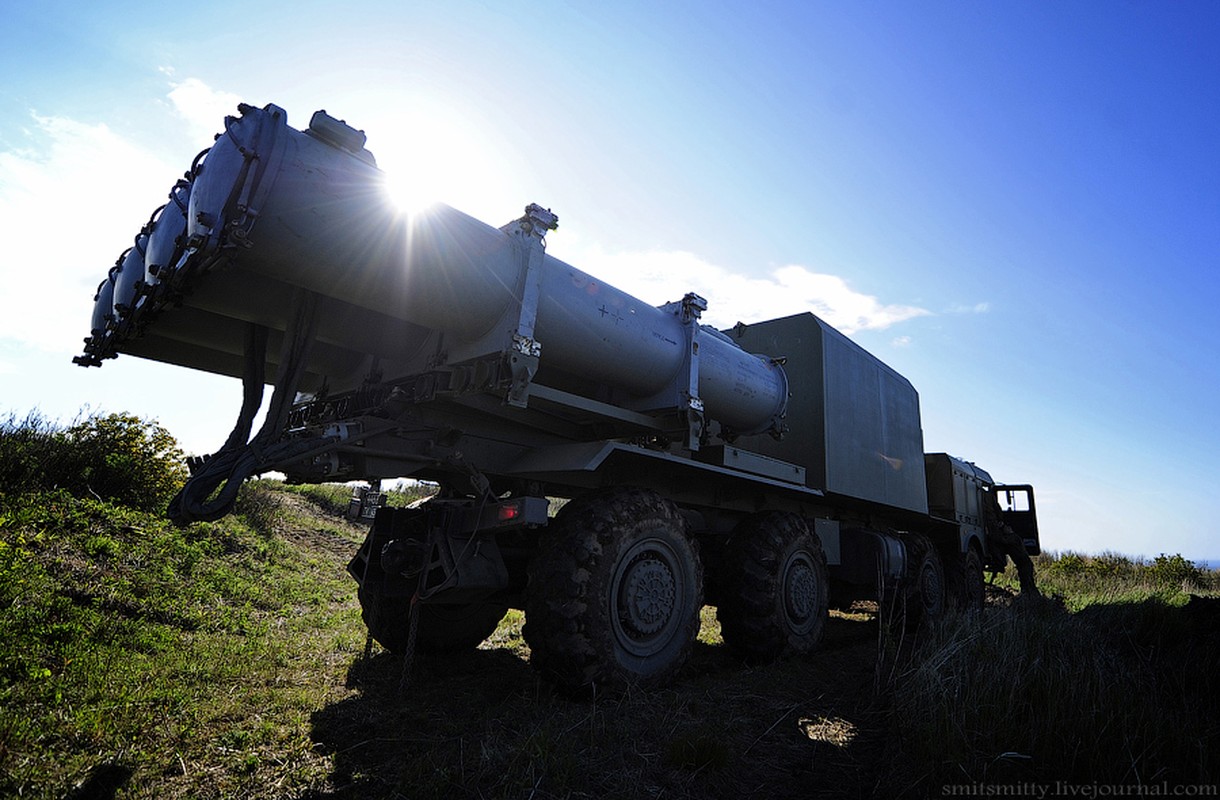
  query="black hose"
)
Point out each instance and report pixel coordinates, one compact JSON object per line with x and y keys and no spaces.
{"x":238,"y":458}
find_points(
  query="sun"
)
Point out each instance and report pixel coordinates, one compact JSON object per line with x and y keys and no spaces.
{"x":415,"y":183}
{"x":432,"y":155}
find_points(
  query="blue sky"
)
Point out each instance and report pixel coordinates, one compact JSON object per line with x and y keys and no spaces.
{"x":1015,"y":204}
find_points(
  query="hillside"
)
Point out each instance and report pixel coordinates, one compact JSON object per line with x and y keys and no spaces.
{"x":228,"y":659}
{"x":171,"y":662}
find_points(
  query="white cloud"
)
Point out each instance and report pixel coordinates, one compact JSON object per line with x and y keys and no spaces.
{"x":202,"y":107}
{"x":661,"y":276}
{"x":71,"y":201}
{"x":901,"y":341}
{"x":73,"y":196}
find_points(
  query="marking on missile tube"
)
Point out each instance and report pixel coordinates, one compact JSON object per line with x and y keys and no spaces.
{"x":614,"y":315}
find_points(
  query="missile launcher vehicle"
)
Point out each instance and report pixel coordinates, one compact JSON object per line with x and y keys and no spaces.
{"x":606,"y":464}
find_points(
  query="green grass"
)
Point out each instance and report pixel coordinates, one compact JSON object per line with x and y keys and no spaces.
{"x":185,"y":662}
{"x":1107,"y":578}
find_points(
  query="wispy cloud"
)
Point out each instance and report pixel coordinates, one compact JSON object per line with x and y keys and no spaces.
{"x":201,"y":106}
{"x":660,"y":276}
{"x":977,"y":308}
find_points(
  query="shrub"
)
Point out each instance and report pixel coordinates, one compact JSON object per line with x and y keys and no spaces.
{"x":1111,"y":577}
{"x":27,"y":450}
{"x":1175,"y":571}
{"x":114,"y":457}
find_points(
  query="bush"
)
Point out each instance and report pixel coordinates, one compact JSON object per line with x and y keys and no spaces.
{"x":1111,"y":577}
{"x":1175,"y":571}
{"x":114,"y":457}
{"x":27,"y":448}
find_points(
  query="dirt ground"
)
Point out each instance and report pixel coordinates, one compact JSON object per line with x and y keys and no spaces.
{"x":483,"y":725}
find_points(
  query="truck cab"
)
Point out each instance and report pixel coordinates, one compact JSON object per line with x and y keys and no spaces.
{"x":959,"y":493}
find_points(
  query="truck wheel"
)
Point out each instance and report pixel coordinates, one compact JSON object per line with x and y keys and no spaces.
{"x":442,"y":628}
{"x":975,"y":593}
{"x":925,"y":592}
{"x":965,"y":580}
{"x":614,"y":592}
{"x":775,"y":594}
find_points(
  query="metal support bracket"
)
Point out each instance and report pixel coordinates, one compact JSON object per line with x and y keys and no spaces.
{"x":531,"y":231}
{"x":688,"y":310}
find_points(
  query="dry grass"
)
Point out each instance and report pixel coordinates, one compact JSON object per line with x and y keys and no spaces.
{"x":1125,"y":693}
{"x":483,"y":725}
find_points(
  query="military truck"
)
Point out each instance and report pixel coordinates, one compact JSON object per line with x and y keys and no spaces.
{"x":607,"y":465}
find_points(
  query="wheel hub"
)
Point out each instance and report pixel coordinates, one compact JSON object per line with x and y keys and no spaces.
{"x":648,"y":596}
{"x":930,"y":586}
{"x":800,"y":595}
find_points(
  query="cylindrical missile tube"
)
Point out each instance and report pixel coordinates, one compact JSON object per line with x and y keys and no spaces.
{"x":273,"y":206}
{"x":130,"y":279}
{"x":165,"y":243}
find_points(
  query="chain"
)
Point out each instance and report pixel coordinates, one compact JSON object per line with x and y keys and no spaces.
{"x":408,"y":657}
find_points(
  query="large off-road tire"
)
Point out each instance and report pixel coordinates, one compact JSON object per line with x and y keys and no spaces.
{"x":775,"y":591}
{"x":964,"y":580}
{"x":441,"y":628}
{"x":925,"y":593}
{"x":614,"y":593}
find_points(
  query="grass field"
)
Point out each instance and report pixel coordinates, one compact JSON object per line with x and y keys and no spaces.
{"x":227,"y":659}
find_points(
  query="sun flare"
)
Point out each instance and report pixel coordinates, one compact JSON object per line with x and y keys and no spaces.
{"x":431,"y":157}
{"x":411,"y":191}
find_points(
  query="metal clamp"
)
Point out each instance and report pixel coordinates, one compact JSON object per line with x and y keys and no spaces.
{"x":539,"y":220}
{"x":693,"y":307}
{"x":526,"y":346}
